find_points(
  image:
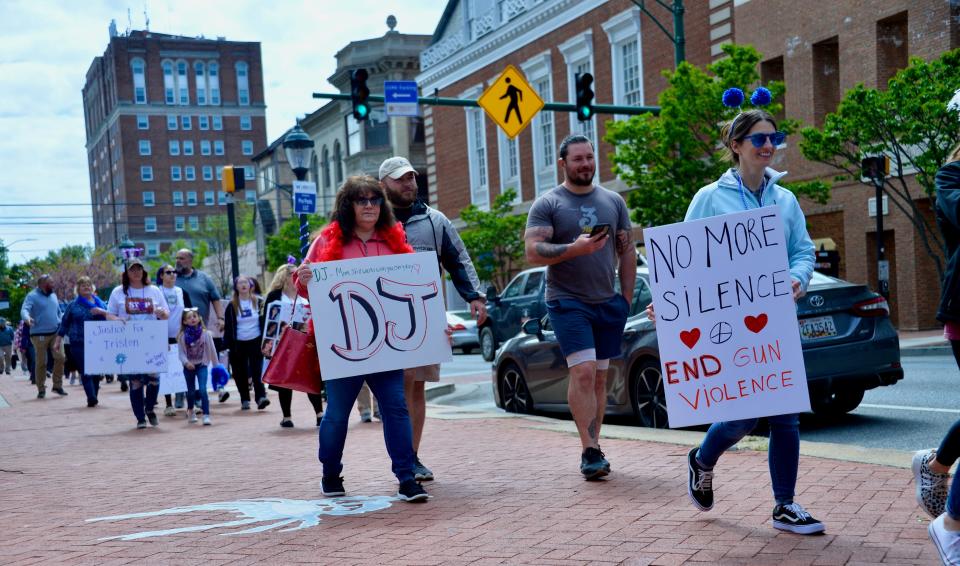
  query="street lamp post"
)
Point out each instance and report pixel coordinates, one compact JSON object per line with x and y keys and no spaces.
{"x":299,"y":149}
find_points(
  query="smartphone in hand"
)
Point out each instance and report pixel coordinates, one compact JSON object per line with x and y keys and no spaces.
{"x":600,"y":230}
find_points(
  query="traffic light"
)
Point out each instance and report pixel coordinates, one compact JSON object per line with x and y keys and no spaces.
{"x":584,"y":83}
{"x":359,"y":93}
{"x":233,"y":179}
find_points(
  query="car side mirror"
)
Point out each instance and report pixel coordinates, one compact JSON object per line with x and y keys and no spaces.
{"x":492,"y":294}
{"x":532,"y":327}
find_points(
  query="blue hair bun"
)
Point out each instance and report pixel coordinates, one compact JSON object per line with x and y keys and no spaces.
{"x":760,"y":97}
{"x":733,"y":97}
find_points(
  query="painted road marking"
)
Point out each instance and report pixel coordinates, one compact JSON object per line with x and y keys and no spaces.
{"x":910,"y":408}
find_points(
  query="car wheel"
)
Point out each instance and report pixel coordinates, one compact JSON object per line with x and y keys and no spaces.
{"x":646,"y":394}
{"x":488,"y":344}
{"x":837,"y":402}
{"x":514,"y":392}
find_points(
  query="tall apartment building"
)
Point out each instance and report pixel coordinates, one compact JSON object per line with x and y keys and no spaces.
{"x":164,"y":114}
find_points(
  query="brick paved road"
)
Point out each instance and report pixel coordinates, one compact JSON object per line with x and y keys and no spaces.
{"x":507,"y":492}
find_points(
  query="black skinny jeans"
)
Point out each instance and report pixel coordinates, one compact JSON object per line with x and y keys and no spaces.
{"x":949,"y":449}
{"x":246,"y":361}
{"x":286,"y":397}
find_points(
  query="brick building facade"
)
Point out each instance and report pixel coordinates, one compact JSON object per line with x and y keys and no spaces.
{"x":820,"y":54}
{"x":163,"y":115}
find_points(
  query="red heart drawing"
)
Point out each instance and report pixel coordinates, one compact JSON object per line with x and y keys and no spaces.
{"x":755,"y":323}
{"x":690,"y":337}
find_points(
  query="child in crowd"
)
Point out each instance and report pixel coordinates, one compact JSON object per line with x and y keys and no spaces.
{"x":198,"y":354}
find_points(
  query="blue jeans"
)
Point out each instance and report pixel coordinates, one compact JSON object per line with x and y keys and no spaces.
{"x":197,"y":374}
{"x":783,"y":453}
{"x":139,"y":382}
{"x":397,"y":431}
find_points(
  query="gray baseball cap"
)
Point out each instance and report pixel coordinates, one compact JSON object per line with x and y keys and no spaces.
{"x":396,"y":167}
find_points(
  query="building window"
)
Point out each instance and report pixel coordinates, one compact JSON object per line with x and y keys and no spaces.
{"x":178,"y":224}
{"x":194,"y":223}
{"x":150,"y":224}
{"x":208,"y":198}
{"x":249,"y":172}
{"x":182,"y":83}
{"x":203,"y":122}
{"x":509,"y":160}
{"x":187,"y":122}
{"x":826,"y":78}
{"x":247,"y":147}
{"x":250,"y":197}
{"x":221,"y":198}
{"x":217,"y":122}
{"x":148,"y":198}
{"x":200,"y":80}
{"x":177,"y":198}
{"x":143,"y":122}
{"x":243,"y":84}
{"x":219,"y":172}
{"x":218,"y":147}
{"x":168,"y":83}
{"x":204,"y":147}
{"x":893,"y":48}
{"x":246,"y":123}
{"x":578,"y":54}
{"x":176,"y":175}
{"x":171,"y":122}
{"x":174,"y":147}
{"x":139,"y":81}
{"x":146,"y":173}
{"x":477,"y":157}
{"x":337,"y":163}
{"x":144,"y":147}
{"x":153,"y":249}
{"x":213,"y":82}
{"x":187,"y":147}
{"x":325,"y":166}
{"x":623,"y":34}
{"x":190,"y":173}
{"x":191,"y":195}
{"x":772,"y":70}
{"x":207,"y":173}
{"x":538,"y":71}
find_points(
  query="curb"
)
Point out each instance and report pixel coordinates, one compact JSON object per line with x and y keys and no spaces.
{"x":921,"y":351}
{"x":435,"y":390}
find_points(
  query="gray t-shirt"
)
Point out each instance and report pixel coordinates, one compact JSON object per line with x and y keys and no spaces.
{"x":588,"y":278}
{"x":201,"y":289}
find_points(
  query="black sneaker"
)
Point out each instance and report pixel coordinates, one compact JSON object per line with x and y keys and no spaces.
{"x":141,"y":424}
{"x":262,"y":403}
{"x":124,"y":386}
{"x":794,"y":518}
{"x":152,"y":417}
{"x":286,"y":423}
{"x":421,"y":472}
{"x":332,"y":486}
{"x":412,"y":492}
{"x":59,"y":391}
{"x":699,"y":482}
{"x":224,"y":395}
{"x":593,"y":465}
{"x":41,"y":394}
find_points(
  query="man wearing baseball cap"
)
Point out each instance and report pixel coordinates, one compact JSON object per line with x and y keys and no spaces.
{"x":428,"y":230}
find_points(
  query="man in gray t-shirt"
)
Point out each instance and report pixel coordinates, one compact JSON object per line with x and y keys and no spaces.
{"x":582,"y":233}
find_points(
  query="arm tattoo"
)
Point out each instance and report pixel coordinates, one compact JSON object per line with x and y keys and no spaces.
{"x":624,"y":240}
{"x":592,"y":429}
{"x":550,"y":250}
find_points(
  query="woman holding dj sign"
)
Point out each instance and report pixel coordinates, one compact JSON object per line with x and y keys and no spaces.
{"x":751,"y":141}
{"x":362,"y":225}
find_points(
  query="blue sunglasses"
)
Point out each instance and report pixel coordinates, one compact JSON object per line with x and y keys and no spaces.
{"x":760,"y":140}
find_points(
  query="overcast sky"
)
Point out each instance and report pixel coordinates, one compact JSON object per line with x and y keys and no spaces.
{"x":46,"y":48}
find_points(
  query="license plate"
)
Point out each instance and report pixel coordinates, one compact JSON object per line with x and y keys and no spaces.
{"x":818,"y":327}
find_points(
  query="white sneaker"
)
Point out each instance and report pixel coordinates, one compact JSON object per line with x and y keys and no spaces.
{"x":206,"y":420}
{"x":191,"y":417}
{"x":931,"y":487}
{"x":947,"y":542}
{"x":365,"y":417}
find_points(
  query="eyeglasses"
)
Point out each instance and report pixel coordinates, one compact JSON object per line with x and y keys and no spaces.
{"x":760,"y":140}
{"x":371,"y":201}
{"x":169,"y":272}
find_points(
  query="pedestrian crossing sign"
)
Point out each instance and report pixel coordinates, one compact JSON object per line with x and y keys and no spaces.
{"x":510,"y":102}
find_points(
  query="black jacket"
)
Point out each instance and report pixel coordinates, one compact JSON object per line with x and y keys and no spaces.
{"x":948,"y":220}
{"x":230,"y":322}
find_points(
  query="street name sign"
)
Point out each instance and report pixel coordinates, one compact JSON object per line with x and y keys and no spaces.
{"x":304,"y":197}
{"x":400,"y":98}
{"x":510,"y":102}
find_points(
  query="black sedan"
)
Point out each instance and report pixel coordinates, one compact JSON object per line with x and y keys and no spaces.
{"x":849,"y":346}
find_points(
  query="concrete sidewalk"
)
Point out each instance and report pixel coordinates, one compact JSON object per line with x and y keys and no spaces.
{"x":507,"y":492}
{"x":924,"y":343}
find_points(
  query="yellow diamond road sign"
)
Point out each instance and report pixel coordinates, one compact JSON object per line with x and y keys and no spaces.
{"x":510,"y":102}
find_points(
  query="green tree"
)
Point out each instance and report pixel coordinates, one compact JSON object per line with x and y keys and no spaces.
{"x":667,"y":158}
{"x":494,"y":238}
{"x":286,"y":242}
{"x":213,"y":239}
{"x":909,"y":123}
